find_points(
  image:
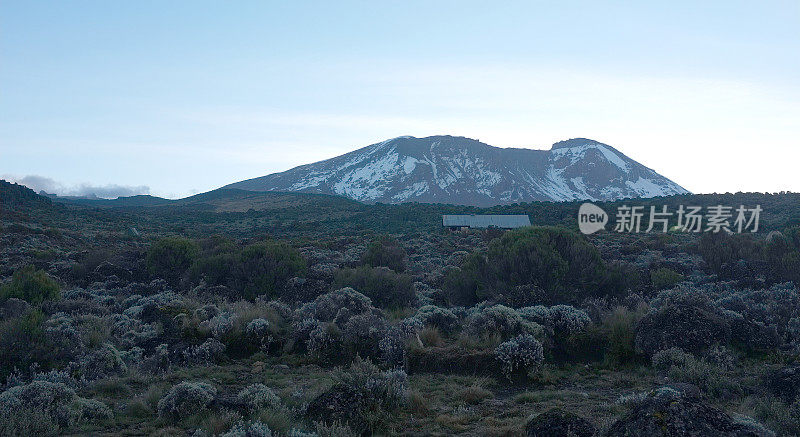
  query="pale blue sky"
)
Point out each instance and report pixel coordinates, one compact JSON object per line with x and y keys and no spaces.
{"x":186,"y":96}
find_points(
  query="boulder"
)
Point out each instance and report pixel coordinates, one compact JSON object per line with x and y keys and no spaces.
{"x":559,"y":423}
{"x":678,"y":410}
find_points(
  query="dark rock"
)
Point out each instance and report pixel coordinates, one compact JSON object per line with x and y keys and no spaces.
{"x":340,"y":404}
{"x":559,"y":423}
{"x":785,"y":383}
{"x":13,"y":307}
{"x":303,"y":290}
{"x":107,"y":269}
{"x":678,"y":410}
{"x":691,"y":328}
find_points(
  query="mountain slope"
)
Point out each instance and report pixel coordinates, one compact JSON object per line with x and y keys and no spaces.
{"x":458,"y":170}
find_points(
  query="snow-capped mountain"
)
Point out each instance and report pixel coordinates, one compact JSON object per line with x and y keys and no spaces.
{"x":458,"y":170}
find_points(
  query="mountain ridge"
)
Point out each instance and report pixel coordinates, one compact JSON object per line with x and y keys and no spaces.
{"x":459,"y":170}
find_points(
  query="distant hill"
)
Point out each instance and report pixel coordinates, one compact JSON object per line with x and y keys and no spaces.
{"x":463,"y":171}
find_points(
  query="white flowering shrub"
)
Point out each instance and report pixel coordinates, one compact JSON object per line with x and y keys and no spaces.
{"x":185,"y":399}
{"x":519,"y":355}
{"x":257,"y":396}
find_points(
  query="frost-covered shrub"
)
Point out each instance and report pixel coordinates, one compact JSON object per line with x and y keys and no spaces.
{"x":363,"y":333}
{"x":410,"y":325}
{"x":104,"y":362}
{"x":206,"y":312}
{"x":47,"y":408}
{"x":560,"y":320}
{"x":442,"y":318}
{"x":257,"y":396}
{"x":721,"y":356}
{"x":219,"y":325}
{"x":327,"y":307}
{"x":392,"y":347}
{"x":185,"y":399}
{"x":519,"y":355}
{"x":210,"y":351}
{"x":386,"y":390}
{"x":248,"y":429}
{"x":258,"y":331}
{"x":326,"y":344}
{"x":500,"y":320}
{"x":362,"y":397}
{"x":301,"y":332}
{"x":58,"y":377}
{"x":663,"y":360}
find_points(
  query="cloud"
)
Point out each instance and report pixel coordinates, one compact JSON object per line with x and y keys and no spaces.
{"x":110,"y":191}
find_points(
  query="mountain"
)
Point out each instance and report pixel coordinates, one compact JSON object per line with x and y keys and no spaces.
{"x":458,"y":170}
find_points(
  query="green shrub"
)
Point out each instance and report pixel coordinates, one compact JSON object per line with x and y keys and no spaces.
{"x":22,"y":343}
{"x":664,"y":278}
{"x":552,"y":259}
{"x":257,"y":269}
{"x":385,"y":251}
{"x":620,"y":326}
{"x":31,"y":285}
{"x":169,"y":258}
{"x":384,"y":287}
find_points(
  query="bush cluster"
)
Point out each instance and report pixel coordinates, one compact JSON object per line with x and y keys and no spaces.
{"x":383,"y":286}
{"x":553,"y":261}
{"x":31,"y":285}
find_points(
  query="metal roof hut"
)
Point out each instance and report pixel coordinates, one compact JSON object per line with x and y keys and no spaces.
{"x":485,"y":221}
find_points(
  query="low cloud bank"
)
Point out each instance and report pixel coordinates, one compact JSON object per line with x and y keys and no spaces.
{"x":111,"y":191}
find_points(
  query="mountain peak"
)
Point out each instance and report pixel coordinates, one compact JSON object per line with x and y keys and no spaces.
{"x":576,"y":142}
{"x":459,"y":170}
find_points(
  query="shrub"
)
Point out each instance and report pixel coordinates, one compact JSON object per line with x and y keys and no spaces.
{"x":169,"y":258}
{"x":103,"y":362}
{"x":385,"y":251}
{"x":384,"y":287}
{"x":499,"y":320}
{"x":326,"y":344}
{"x":22,"y":343}
{"x":48,"y":408}
{"x":248,"y":429}
{"x":31,"y":285}
{"x":552,"y":259}
{"x":519,"y":355}
{"x":684,"y":367}
{"x":257,"y":396}
{"x":185,"y":399}
{"x":362,"y":397}
{"x":664,"y":278}
{"x":256,"y":270}
{"x":328,"y":306}
{"x":441,"y":318}
{"x":620,"y":326}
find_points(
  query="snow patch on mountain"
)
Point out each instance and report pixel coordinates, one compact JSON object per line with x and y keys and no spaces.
{"x":464,"y":171}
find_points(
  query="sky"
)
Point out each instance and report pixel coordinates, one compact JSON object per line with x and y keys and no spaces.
{"x":179,"y":97}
